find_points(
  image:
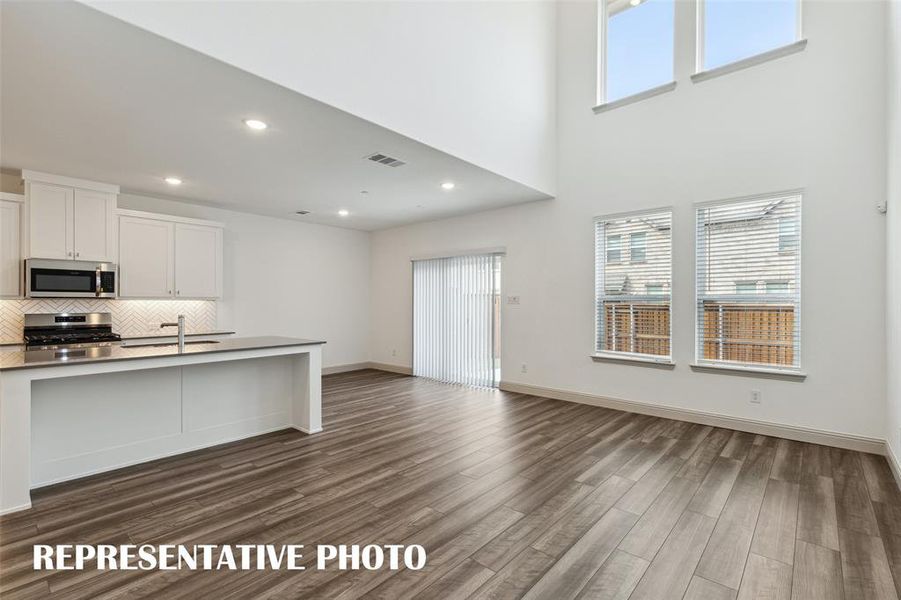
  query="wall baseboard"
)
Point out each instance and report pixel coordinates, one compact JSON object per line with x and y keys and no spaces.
{"x":346,"y":368}
{"x":403,"y":370}
{"x":367,"y":365}
{"x":792,"y":432}
{"x":894,"y":463}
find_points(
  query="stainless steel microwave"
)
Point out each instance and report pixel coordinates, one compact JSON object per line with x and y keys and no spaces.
{"x":46,"y":278}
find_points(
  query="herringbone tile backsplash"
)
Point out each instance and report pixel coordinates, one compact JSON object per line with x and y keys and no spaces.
{"x":130,"y":317}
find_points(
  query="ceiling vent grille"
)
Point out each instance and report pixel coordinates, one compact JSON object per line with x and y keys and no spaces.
{"x":384,"y":159}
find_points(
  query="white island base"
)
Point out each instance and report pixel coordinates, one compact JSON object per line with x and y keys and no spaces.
{"x":64,"y":422}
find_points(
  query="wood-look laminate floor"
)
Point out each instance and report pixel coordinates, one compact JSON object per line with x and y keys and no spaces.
{"x":511,"y":495}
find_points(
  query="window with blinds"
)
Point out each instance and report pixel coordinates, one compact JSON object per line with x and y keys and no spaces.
{"x":456,"y":319}
{"x":749,"y":282}
{"x":633,"y":284}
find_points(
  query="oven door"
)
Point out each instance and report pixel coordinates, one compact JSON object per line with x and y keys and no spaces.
{"x":69,"y":279}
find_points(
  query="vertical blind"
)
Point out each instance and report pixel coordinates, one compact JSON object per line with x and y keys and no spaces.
{"x":749,"y":282}
{"x":456,"y":319}
{"x":633,"y":283}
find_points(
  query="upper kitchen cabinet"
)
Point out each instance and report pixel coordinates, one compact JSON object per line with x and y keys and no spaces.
{"x":70,"y":219}
{"x":198,"y":261}
{"x":10,"y":250}
{"x":146,"y":258}
{"x":162,"y":256}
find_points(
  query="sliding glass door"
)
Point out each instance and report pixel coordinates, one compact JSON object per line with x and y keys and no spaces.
{"x":456,"y":319}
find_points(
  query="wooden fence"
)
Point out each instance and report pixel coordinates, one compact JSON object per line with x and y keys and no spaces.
{"x":637,"y":327}
{"x":749,"y":333}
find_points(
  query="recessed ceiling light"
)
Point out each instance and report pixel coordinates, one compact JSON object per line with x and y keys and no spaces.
{"x":173,"y":180}
{"x":448,"y":185}
{"x":255,"y":124}
{"x":343,"y":212}
{"x":634,"y":2}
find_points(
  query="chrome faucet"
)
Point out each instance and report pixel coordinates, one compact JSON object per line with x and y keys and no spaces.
{"x":181,"y":331}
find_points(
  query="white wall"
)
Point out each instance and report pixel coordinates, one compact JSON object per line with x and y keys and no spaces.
{"x":814,"y":120}
{"x":893,"y":327}
{"x":288,"y":278}
{"x":474,"y":79}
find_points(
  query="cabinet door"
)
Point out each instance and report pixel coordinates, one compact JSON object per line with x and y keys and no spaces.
{"x":198,"y":261}
{"x":145,"y":258}
{"x":10,"y":261}
{"x":50,"y":221}
{"x":93,"y":218}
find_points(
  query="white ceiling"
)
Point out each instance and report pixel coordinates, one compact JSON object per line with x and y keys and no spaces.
{"x":88,"y":96}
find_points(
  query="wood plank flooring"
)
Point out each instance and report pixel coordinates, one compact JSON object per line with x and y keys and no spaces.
{"x":512,"y":496}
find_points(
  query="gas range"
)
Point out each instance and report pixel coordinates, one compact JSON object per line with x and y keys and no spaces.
{"x":69,"y":331}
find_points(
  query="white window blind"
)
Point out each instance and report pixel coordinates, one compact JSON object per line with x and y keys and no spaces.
{"x":456,"y":319}
{"x":749,"y":282}
{"x":632,"y":292}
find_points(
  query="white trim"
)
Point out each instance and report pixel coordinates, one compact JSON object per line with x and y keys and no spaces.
{"x":644,"y":359}
{"x":893,"y":463}
{"x":73,"y":182}
{"x":763,"y":196}
{"x":12,"y":197}
{"x":633,"y":213}
{"x":750,"y":61}
{"x":140,"y":214}
{"x":308,"y":431}
{"x":792,"y":432}
{"x":345,"y":368}
{"x":631,"y":99}
{"x":741,"y":369}
{"x":14,"y":509}
{"x":601,"y":70}
{"x":497,"y":250}
{"x":401,"y":369}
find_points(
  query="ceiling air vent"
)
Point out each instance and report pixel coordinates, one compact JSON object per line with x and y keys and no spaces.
{"x":384,"y":159}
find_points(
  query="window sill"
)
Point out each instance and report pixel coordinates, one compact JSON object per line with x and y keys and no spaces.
{"x":764,"y":372}
{"x":643,"y":361}
{"x":656,"y":91}
{"x":751,"y":61}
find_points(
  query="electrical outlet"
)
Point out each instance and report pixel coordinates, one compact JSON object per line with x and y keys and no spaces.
{"x":755,"y":397}
{"x":512,"y":299}
{"x":394,"y":352}
{"x":525,"y":368}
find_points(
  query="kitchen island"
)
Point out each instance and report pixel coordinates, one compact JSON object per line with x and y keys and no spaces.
{"x":65,"y":414}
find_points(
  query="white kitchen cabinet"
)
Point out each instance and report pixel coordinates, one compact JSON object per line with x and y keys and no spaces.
{"x":146,"y":258}
{"x":70,"y":219}
{"x":50,"y":221}
{"x":10,"y":250}
{"x":198,"y":257}
{"x":162,"y":256}
{"x":94,"y":226}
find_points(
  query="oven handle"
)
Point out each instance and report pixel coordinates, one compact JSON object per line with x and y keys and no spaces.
{"x":97,"y":283}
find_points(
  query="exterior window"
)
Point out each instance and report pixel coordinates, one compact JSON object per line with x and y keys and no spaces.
{"x":637,"y":48}
{"x":729,"y":31}
{"x":638,"y":247}
{"x":745,"y":288}
{"x":614,"y":249}
{"x":776,"y":287}
{"x":788,"y":237}
{"x":739,"y":244}
{"x":633,"y":299}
